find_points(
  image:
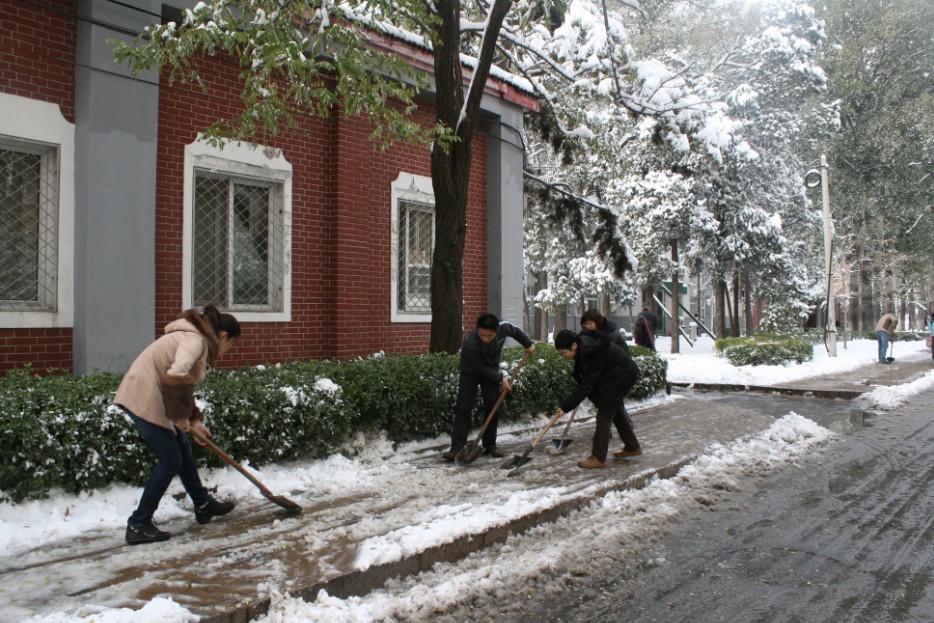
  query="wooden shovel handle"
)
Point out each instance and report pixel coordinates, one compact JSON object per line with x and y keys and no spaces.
{"x":229,"y":460}
{"x":550,"y":424}
{"x":502,"y":394}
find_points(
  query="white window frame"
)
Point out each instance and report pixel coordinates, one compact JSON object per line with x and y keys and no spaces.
{"x":412,"y":189}
{"x":243,"y":160}
{"x":42,"y":123}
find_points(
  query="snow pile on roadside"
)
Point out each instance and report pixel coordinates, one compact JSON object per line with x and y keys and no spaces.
{"x":555,"y":554}
{"x":159,"y":610}
{"x":897,"y":395}
{"x":699,"y":364}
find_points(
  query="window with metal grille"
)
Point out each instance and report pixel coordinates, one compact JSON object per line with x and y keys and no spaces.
{"x":28,"y":226}
{"x":237,"y":243}
{"x":416,"y":244}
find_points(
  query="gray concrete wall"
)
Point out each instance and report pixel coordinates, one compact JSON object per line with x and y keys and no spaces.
{"x":116,"y":123}
{"x":505,"y":201}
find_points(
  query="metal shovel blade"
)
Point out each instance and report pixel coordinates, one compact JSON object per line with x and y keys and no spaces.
{"x":285,"y":503}
{"x":558,"y":446}
{"x":516,"y":461}
{"x":469,"y":453}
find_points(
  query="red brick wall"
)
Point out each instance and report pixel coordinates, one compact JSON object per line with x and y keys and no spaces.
{"x":37,"y":51}
{"x":341,"y":213}
{"x":42,"y":349}
{"x":364,"y":216}
{"x":37,"y":60}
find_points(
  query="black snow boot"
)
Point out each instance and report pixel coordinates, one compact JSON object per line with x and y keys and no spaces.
{"x":211,"y":509}
{"x":145,"y":532}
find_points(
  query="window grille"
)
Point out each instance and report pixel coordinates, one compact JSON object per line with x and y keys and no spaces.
{"x":28,"y":226}
{"x":416,"y":245}
{"x":237,"y":243}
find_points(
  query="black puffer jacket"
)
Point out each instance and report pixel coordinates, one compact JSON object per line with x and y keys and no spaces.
{"x":612,"y":332}
{"x":604,"y":373}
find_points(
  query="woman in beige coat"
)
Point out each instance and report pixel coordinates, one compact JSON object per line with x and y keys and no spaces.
{"x":157,"y":393}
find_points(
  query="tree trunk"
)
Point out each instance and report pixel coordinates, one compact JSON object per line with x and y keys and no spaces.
{"x":719,"y":322}
{"x":728,"y":308}
{"x":747,"y":304}
{"x":867,"y":312}
{"x":450,"y":164}
{"x":447,"y":263}
{"x":734,"y":321}
{"x":541,"y":316}
{"x":675,"y":299}
{"x":561,"y":319}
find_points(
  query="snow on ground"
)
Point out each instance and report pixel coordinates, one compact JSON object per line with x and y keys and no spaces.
{"x":700,"y":364}
{"x":557,"y":549}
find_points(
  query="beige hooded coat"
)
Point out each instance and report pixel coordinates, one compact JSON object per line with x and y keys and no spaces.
{"x":177,"y":360}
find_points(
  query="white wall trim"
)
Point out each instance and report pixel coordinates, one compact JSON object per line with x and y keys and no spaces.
{"x":43,"y":122}
{"x":406,"y":187}
{"x":253,"y":161}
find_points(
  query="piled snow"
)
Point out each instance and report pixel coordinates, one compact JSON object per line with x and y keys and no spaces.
{"x":565,"y":547}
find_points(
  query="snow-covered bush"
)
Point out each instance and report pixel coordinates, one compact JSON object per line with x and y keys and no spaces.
{"x":765,"y":349}
{"x":653,"y":373}
{"x":59,"y":431}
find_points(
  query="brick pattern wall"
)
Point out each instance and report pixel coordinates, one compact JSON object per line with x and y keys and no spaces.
{"x":37,"y":60}
{"x":364,"y":218}
{"x":37,"y":51}
{"x":41,"y":349}
{"x":341,"y":216}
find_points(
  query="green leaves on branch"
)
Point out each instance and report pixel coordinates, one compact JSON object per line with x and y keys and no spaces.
{"x":293,"y":59}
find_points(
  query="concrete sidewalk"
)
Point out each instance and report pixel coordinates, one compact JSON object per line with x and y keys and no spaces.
{"x":223,"y":570}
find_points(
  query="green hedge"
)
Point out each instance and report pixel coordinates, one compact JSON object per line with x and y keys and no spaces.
{"x":900,"y":336}
{"x":63,"y":432}
{"x":765,"y":349}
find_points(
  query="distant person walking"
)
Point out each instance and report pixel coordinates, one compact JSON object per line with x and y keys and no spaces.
{"x":479,"y":362}
{"x":604,"y":373}
{"x":885,"y":331}
{"x":645,"y":328}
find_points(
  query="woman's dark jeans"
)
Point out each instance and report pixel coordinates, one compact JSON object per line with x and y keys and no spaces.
{"x":173,"y":455}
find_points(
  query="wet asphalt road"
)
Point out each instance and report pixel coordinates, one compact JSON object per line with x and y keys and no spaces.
{"x":846,"y":536}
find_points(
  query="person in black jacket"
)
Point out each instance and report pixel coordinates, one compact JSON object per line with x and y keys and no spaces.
{"x":592,"y":320}
{"x":480,"y":358}
{"x":604,"y":374}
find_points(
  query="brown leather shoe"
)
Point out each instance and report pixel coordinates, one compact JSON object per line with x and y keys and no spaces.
{"x":591,"y":462}
{"x":624,"y":453}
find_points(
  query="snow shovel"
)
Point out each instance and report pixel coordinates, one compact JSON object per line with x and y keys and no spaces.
{"x":518,"y":461}
{"x":279,"y":500}
{"x":891,"y":358}
{"x":558,"y":445}
{"x":469,"y":453}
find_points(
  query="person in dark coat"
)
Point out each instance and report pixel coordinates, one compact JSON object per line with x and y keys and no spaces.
{"x":604,"y":374}
{"x":479,"y":362}
{"x":592,"y":320}
{"x":645,"y":328}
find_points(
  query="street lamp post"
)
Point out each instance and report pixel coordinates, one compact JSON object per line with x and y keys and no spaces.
{"x":824,"y":176}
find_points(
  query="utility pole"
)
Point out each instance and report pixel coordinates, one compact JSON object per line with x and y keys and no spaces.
{"x":828,"y":257}
{"x":811,"y":179}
